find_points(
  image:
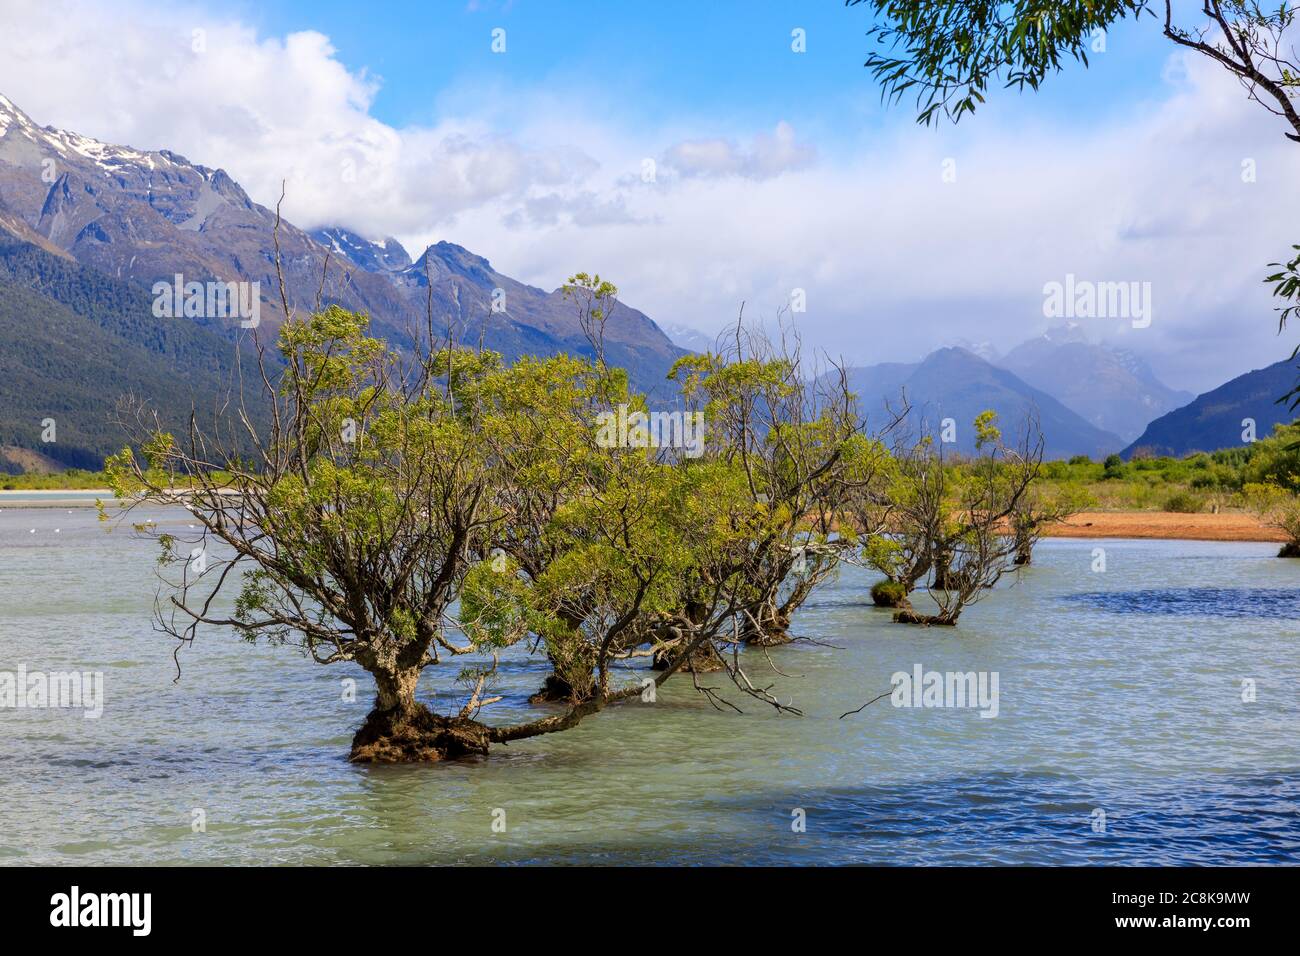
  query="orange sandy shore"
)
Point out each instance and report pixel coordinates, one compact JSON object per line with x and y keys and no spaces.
{"x":1162,"y":524}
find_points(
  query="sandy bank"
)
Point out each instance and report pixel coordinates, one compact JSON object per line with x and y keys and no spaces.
{"x":1163,"y":524}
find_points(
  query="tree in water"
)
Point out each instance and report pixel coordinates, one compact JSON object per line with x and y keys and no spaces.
{"x":369,"y":524}
{"x":796,"y":437}
{"x":961,"y":514}
{"x":1040,"y":507}
{"x":1271,"y":483}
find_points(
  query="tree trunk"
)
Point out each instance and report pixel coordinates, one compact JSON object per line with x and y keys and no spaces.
{"x":773,"y":627}
{"x":400,"y":729}
{"x":556,"y":688}
{"x":909,"y":616}
{"x":1024,"y":547}
{"x":704,"y":659}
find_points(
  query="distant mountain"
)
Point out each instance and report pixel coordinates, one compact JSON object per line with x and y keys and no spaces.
{"x":511,"y":317}
{"x":688,"y":338}
{"x":145,"y":216}
{"x":385,"y":255}
{"x":955,"y":383}
{"x":1112,"y":388}
{"x":1214,"y":420}
{"x":73,"y":342}
{"x":985,"y":350}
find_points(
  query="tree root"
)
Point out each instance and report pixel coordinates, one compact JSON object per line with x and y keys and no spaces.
{"x":417,"y":735}
{"x":908,"y":616}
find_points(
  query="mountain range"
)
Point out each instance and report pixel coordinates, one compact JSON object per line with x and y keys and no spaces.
{"x":958,"y":384}
{"x":87,"y":228}
{"x":1218,"y":418}
{"x":1113,"y":389}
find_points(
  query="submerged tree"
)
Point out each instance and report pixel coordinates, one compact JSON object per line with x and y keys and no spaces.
{"x":797,"y":438}
{"x":401,"y":511}
{"x":955,"y":519}
{"x":373,"y":503}
{"x":1039,"y":508}
{"x":1280,"y":509}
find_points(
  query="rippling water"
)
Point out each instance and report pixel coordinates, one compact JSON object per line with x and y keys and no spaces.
{"x":1119,"y":692}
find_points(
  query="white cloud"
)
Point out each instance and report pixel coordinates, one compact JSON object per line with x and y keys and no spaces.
{"x":893,"y":259}
{"x":769,"y":155}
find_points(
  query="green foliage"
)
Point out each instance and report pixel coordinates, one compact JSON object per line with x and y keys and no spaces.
{"x":948,"y":52}
{"x":1277,"y":507}
{"x":72,"y":479}
{"x":887,"y":593}
{"x":1184,"y":502}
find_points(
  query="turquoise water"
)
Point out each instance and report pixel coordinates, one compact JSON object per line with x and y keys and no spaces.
{"x":1118,"y":691}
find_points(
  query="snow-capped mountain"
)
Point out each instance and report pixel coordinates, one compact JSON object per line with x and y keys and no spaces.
{"x":87,"y":228}
{"x":693,"y":340}
{"x":384,"y":255}
{"x":1113,"y":388}
{"x":148,"y":215}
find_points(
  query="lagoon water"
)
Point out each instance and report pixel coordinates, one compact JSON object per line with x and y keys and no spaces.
{"x":1119,"y":692}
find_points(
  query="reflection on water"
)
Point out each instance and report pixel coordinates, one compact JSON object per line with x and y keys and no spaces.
{"x":1114,"y":698}
{"x":1198,"y":602}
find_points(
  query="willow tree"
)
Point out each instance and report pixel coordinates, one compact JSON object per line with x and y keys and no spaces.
{"x":543,"y":439}
{"x":370,"y":501}
{"x":797,"y":439}
{"x":959,"y":515}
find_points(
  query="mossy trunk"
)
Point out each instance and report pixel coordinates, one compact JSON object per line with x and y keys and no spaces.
{"x":558,"y":688}
{"x":703,"y":660}
{"x":400,"y":729}
{"x":889,"y":593}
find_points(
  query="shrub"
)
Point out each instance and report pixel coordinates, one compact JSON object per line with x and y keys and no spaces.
{"x":1278,"y":508}
{"x":1184,"y":502}
{"x":887,"y":593}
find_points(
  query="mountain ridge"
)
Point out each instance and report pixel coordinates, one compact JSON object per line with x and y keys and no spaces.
{"x":956,"y":383}
{"x":149,"y":215}
{"x":1215,"y":419}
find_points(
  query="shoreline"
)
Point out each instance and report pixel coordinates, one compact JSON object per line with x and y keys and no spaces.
{"x":36,"y":498}
{"x":1166,"y":525}
{"x":1162,"y":525}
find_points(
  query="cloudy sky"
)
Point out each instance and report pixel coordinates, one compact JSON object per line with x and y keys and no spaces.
{"x":700,"y":162}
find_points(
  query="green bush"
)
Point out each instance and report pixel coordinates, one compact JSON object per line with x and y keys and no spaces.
{"x":887,"y":593}
{"x":1184,"y":502}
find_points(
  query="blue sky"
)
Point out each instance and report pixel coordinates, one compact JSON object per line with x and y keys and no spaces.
{"x":668,"y":59}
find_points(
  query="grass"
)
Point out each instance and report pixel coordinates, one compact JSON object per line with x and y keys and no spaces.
{"x":74,"y":479}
